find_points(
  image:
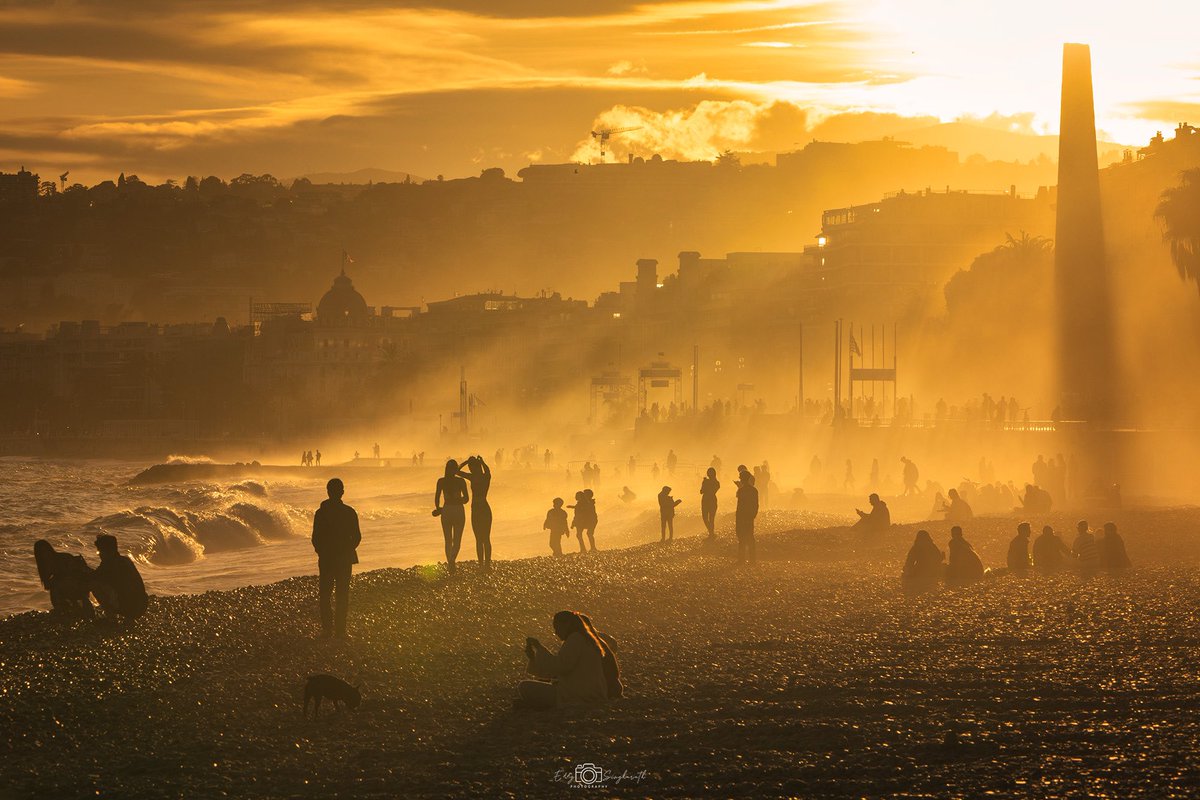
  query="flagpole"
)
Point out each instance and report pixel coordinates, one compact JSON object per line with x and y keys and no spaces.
{"x":850,"y":379}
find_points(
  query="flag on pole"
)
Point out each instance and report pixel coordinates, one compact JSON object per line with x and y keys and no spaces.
{"x":854,"y":348}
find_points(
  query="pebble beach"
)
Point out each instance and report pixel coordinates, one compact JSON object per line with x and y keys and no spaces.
{"x":809,"y":674}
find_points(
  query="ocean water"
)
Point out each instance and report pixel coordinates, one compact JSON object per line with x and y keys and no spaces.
{"x":195,"y":536}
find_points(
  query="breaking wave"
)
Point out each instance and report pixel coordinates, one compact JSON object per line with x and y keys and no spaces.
{"x":166,"y":537}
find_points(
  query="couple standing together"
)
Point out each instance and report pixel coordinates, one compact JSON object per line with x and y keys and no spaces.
{"x":450,"y":500}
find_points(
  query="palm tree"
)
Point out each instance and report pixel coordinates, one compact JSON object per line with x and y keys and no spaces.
{"x":1179,"y":212}
{"x":1026,"y":248}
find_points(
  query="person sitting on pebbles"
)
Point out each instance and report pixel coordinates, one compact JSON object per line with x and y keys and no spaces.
{"x":572,"y":676}
{"x":924,"y":566}
{"x":66,"y":576}
{"x":1018,"y":550}
{"x":964,"y":566}
{"x":1050,"y":555}
{"x":1085,"y":550}
{"x":877,"y":519}
{"x":1112,"y":549}
{"x":116,"y":583}
{"x":957,"y":510}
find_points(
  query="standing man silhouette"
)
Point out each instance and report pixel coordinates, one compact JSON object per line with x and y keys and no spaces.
{"x":335,"y":537}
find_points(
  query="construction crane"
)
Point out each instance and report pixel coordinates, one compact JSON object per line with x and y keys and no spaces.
{"x":63,"y":179}
{"x":604,"y":134}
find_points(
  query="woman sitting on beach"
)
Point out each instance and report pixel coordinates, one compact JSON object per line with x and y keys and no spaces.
{"x":452,"y":490}
{"x":66,"y":576}
{"x":924,"y":566}
{"x":572,"y":676}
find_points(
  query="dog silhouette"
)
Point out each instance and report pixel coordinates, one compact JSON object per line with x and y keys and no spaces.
{"x":319,"y":687}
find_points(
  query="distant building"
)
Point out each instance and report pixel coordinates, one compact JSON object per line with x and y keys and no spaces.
{"x":888,"y":255}
{"x":326,"y":368}
{"x":18,"y":187}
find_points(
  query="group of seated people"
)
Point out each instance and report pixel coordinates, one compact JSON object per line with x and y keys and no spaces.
{"x":584,"y":671}
{"x":927,"y":565}
{"x":115,"y":583}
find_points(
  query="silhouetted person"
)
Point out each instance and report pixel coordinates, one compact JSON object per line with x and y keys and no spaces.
{"x":746,"y":511}
{"x":572,"y":676}
{"x":627,"y":495}
{"x":764,"y":485}
{"x":1036,"y":500}
{"x":612,"y":669}
{"x":1084,"y":549}
{"x":911,"y":476}
{"x":556,"y":523}
{"x":672,"y":460}
{"x":964,"y":566}
{"x":1112,"y":550}
{"x":873,"y":481}
{"x":1050,"y":555}
{"x":335,"y":537}
{"x":1018,"y":550}
{"x":375,"y":451}
{"x":848,"y":481}
{"x":66,"y":576}
{"x":317,"y":457}
{"x":116,"y":583}
{"x":877,"y":520}
{"x":449,"y":499}
{"x":924,"y":565}
{"x":632,"y":466}
{"x":957,"y":509}
{"x":666,"y":513}
{"x":715,"y":464}
{"x":480,"y":476}
{"x":585,"y":519}
{"x":708,"y":501}
{"x":939,"y":505}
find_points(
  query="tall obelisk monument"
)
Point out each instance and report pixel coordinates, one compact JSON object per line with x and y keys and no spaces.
{"x":1087,"y":380}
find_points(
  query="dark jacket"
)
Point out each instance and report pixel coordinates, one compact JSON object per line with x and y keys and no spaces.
{"x":335,"y":534}
{"x":122,"y":575}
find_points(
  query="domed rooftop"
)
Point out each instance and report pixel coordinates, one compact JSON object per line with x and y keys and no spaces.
{"x":342,"y":303}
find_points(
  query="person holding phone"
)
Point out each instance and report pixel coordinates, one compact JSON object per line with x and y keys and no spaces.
{"x":572,"y":676}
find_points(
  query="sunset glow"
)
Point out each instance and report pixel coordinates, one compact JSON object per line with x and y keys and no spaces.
{"x":199,"y":87}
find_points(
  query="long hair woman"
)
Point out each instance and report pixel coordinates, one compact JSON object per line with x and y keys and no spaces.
{"x":67,"y":577}
{"x":449,"y":500}
{"x":925,"y":565}
{"x":479,"y":475}
{"x":573,"y":675}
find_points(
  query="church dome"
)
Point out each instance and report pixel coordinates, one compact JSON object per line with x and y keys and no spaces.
{"x":342,"y":303}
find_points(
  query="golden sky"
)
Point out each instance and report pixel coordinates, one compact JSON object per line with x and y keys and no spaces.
{"x":167,"y":88}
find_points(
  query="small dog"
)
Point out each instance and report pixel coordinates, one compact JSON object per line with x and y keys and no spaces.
{"x":328,"y":687}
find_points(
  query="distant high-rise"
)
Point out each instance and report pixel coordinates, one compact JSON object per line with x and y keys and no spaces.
{"x":1087,"y":382}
